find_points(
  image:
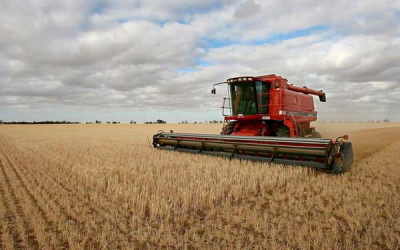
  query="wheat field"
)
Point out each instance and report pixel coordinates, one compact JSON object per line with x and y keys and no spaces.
{"x":104,"y":187}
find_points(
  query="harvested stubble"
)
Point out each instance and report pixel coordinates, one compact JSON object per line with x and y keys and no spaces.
{"x":103,"y":187}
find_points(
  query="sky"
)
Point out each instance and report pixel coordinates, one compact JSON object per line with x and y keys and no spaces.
{"x":145,"y":60}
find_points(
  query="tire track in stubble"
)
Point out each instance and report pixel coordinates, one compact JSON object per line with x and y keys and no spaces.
{"x":2,"y":211}
{"x":8,"y":199}
{"x":121,"y":220}
{"x":100,"y":208}
{"x":8,"y":214}
{"x":96,"y":214}
{"x":103,"y":209}
{"x":49,"y":225}
{"x":50,"y":197}
{"x":101,"y":213}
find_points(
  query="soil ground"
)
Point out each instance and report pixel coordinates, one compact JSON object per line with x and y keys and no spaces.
{"x":103,"y":187}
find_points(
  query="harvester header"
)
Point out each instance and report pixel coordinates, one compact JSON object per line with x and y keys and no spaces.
{"x":266,"y":119}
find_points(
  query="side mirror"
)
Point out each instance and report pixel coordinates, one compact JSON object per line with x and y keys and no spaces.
{"x":322,"y":98}
{"x":213,"y":91}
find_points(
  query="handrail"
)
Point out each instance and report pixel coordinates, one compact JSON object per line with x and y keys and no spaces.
{"x":224,"y":107}
{"x":294,"y":120}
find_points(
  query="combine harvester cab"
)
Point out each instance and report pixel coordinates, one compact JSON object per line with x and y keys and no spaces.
{"x":266,"y":119}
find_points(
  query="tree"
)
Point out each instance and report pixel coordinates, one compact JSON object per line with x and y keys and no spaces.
{"x":386,"y":120}
{"x":1,"y":121}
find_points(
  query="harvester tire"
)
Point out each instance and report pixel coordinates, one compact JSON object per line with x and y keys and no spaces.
{"x":230,"y":127}
{"x":283,"y":131}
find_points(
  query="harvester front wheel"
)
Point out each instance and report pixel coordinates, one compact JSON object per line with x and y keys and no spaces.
{"x":283,"y":131}
{"x":231,"y":126}
{"x":228,"y":128}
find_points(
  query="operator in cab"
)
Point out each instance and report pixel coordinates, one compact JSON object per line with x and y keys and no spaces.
{"x":244,"y":101}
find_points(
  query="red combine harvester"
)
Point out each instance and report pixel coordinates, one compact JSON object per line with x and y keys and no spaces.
{"x":268,"y":120}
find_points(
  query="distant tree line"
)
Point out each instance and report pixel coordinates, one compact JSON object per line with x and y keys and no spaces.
{"x":39,"y":122}
{"x":113,"y":122}
{"x":368,"y":121}
{"x":159,"y":121}
{"x":195,"y":122}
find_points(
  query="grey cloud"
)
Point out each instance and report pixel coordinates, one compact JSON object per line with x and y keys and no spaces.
{"x":247,"y":9}
{"x":83,"y":66}
{"x":283,"y":17}
{"x":153,"y":10}
{"x":119,"y":54}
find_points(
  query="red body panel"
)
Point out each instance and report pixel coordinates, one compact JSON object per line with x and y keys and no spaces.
{"x":290,"y":105}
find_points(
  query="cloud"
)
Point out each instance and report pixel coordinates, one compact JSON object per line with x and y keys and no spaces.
{"x":152,"y":55}
{"x":267,"y":18}
{"x":247,"y":9}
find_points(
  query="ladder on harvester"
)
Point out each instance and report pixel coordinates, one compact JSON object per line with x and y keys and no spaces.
{"x":295,"y":123}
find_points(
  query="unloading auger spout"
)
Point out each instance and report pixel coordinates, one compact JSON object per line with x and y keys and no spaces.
{"x":334,"y":156}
